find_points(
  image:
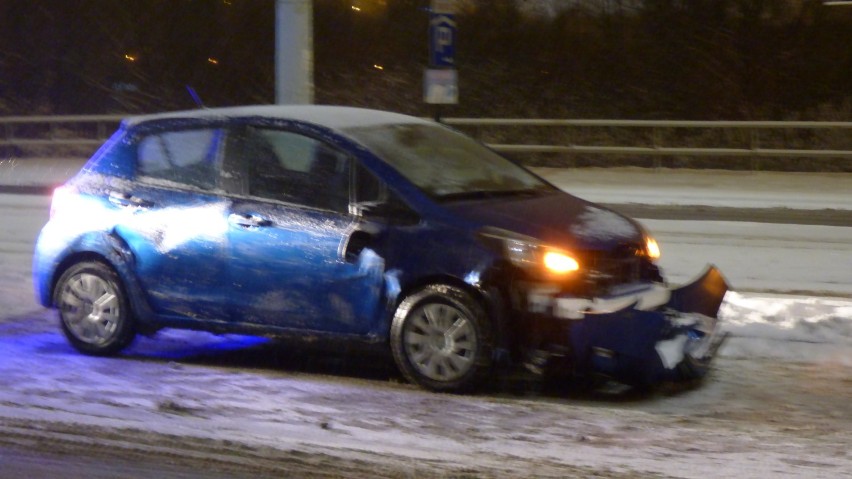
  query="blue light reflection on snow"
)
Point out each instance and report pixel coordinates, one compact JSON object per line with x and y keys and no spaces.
{"x":182,"y":344}
{"x":169,"y":344}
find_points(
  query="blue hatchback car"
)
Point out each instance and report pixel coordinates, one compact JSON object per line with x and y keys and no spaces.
{"x":361,"y":225}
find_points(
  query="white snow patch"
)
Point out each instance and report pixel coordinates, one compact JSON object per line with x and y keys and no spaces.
{"x":794,"y":328}
{"x":330,"y":116}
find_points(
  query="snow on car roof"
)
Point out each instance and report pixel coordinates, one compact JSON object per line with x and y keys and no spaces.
{"x":334,"y":117}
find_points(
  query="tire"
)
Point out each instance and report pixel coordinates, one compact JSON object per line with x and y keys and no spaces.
{"x":442,"y":339}
{"x":93,"y":309}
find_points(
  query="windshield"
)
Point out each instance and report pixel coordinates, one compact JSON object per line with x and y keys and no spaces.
{"x":446,"y":164}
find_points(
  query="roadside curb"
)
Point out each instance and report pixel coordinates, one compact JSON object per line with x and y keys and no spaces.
{"x":824,"y":217}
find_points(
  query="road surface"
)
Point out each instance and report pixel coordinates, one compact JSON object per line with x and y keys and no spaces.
{"x":188,"y":405}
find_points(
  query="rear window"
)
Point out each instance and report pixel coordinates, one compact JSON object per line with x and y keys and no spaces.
{"x":188,"y":157}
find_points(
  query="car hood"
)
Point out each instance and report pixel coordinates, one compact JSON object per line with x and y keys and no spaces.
{"x":556,"y":218}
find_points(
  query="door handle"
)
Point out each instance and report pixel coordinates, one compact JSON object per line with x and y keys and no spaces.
{"x":247,"y":220}
{"x":127,"y":200}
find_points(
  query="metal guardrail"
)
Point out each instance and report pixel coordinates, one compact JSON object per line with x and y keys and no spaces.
{"x":655,"y":149}
{"x":22,"y":132}
{"x":56,"y":130}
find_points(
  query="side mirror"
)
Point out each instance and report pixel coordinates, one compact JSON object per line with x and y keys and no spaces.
{"x":392,"y":212}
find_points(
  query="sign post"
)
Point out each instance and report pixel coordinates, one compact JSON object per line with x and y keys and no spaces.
{"x":440,"y":81}
{"x":294,"y":52}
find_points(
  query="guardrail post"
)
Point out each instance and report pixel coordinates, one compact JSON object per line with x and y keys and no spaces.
{"x":754,"y":145}
{"x":568,"y":157}
{"x":8,"y":150}
{"x":655,"y":140}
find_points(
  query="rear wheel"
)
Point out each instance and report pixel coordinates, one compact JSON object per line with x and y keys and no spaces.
{"x":93,"y":309}
{"x":441,"y":339}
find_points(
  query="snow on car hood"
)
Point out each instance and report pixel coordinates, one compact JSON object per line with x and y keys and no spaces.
{"x":557,"y":218}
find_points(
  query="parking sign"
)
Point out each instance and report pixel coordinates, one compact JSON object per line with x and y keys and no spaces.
{"x":442,"y":35}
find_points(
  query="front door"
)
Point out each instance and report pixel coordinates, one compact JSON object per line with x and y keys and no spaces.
{"x":288,"y":234}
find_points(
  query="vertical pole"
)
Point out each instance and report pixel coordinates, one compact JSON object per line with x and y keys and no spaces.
{"x":658,"y":161}
{"x":294,"y":52}
{"x":9,"y":150}
{"x":754,"y":145}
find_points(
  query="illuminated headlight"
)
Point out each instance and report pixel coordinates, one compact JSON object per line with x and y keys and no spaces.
{"x":527,"y":252}
{"x":560,"y":263}
{"x":652,"y":249}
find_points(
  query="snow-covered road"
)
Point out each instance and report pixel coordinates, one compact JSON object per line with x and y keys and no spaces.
{"x":804,"y":259}
{"x":776,"y":404}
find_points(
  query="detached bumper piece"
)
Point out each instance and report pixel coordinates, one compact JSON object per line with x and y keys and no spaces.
{"x":638,"y":345}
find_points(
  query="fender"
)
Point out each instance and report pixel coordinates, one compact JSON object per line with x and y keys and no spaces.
{"x":109,"y":247}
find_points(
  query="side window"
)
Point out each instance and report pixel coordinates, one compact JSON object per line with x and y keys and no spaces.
{"x":291,"y":167}
{"x":188,"y":157}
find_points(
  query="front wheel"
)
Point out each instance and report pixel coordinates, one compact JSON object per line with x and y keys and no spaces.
{"x":93,"y":309}
{"x":441,"y":339}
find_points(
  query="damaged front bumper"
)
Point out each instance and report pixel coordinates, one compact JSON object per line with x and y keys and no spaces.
{"x":643,"y":337}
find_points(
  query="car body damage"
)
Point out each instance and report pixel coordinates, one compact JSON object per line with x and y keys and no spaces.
{"x":655,"y":335}
{"x":358,"y":225}
{"x":614,"y":317}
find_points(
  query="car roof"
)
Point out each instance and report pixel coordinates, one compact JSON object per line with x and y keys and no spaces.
{"x":333,"y":117}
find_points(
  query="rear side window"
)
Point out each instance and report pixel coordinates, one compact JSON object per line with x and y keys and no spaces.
{"x":189,"y":157}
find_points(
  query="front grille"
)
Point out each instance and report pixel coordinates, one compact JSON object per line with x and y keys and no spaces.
{"x":606,"y":269}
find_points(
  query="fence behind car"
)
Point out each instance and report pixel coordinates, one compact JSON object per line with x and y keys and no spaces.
{"x":776,"y":145}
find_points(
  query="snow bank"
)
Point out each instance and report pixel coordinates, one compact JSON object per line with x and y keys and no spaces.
{"x":801,"y":329}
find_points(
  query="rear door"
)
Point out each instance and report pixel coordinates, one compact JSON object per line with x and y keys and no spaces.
{"x":174,"y":219}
